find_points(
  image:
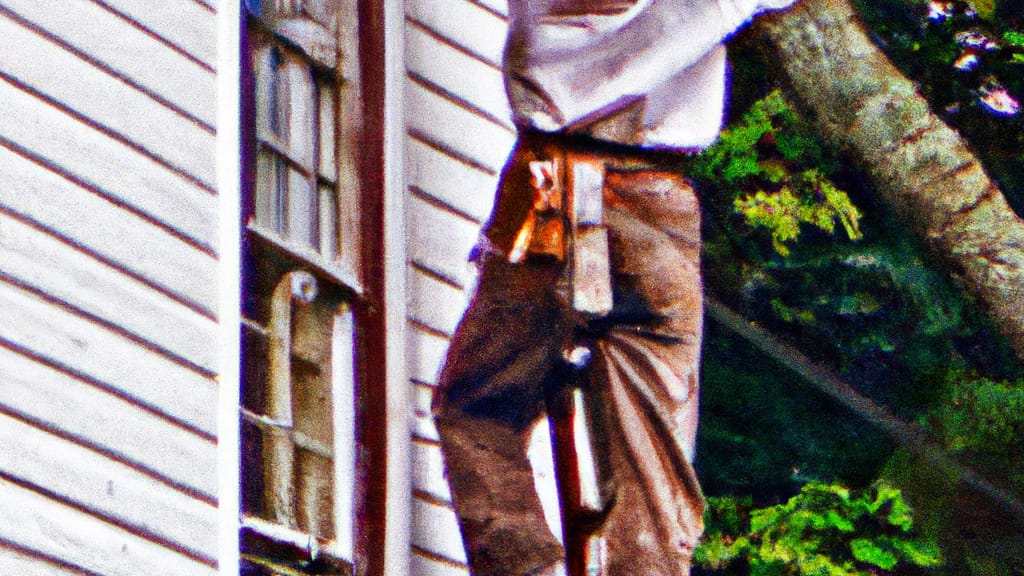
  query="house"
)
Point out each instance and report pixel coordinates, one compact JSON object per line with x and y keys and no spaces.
{"x":161,"y":413}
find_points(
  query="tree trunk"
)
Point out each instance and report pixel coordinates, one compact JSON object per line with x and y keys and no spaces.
{"x":920,"y":166}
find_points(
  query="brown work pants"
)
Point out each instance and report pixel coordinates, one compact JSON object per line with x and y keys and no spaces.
{"x":508,"y":350}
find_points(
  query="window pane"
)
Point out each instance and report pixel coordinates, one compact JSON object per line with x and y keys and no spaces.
{"x":301,"y":112}
{"x":271,"y":189}
{"x":328,"y":221}
{"x":327,"y":141}
{"x":302,"y":210}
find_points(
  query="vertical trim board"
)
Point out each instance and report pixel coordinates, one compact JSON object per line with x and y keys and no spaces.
{"x":58,"y":270}
{"x":106,"y":487}
{"x":168,"y":136}
{"x":148,"y":378}
{"x":120,"y":238}
{"x":59,"y":531}
{"x":104,"y":421}
{"x":128,"y":51}
{"x":117,"y":169}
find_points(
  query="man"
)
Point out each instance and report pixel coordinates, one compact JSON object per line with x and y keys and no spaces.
{"x":589,"y":272}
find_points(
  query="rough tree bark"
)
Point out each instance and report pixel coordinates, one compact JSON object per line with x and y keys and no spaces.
{"x":921,"y":166}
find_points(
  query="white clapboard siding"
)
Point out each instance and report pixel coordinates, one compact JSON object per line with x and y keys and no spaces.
{"x":96,"y":224}
{"x":107,"y":488}
{"x":117,"y":169}
{"x":426,"y":351}
{"x":424,"y":564}
{"x":167,"y":136}
{"x":428,"y":471}
{"x":464,"y":24}
{"x":127,"y":51}
{"x":452,"y":127}
{"x":60,"y":531}
{"x":467,"y":190}
{"x":186,"y":24}
{"x":61,"y":335}
{"x":48,"y":265}
{"x":459,"y":136}
{"x":440,"y":241}
{"x":432,"y":530}
{"x":92,"y":416}
{"x":19,"y":562}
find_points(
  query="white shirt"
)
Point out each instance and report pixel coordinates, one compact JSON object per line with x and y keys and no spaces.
{"x":641,"y":72}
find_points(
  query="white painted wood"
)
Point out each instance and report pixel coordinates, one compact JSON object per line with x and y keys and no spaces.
{"x":96,"y":417}
{"x":127,"y":50}
{"x":112,"y":166}
{"x":464,"y":23}
{"x":433,"y":530}
{"x":181,"y":142}
{"x":111,"y":489}
{"x":425,"y":566}
{"x":423,"y":427}
{"x":15,"y":562}
{"x":105,"y":229}
{"x":55,"y":268}
{"x":499,"y":6}
{"x":343,"y":394}
{"x":468,"y":78}
{"x":428,"y":471}
{"x":426,"y":353}
{"x":448,"y":124}
{"x":433,"y":303}
{"x":466,"y":189}
{"x":146,"y":376}
{"x":181,"y":22}
{"x":59,"y":531}
{"x":441,"y":241}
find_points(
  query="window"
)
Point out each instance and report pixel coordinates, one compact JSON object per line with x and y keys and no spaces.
{"x":302,"y":288}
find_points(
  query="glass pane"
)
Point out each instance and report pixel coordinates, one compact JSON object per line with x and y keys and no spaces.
{"x":301,"y":112}
{"x":328,"y":221}
{"x":271,"y":189}
{"x":302,"y":210}
{"x":327,"y":143}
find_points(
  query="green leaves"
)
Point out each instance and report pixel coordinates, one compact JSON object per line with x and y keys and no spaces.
{"x":824,"y":530}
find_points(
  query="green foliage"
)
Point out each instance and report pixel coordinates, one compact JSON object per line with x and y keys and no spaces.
{"x":824,"y":530}
{"x":771,"y":165}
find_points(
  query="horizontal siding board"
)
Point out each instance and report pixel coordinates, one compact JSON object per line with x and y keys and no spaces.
{"x":16,"y":562}
{"x":426,"y":353}
{"x":457,"y":73}
{"x":437,"y":530}
{"x":107,"y":230}
{"x":117,"y":169}
{"x":108,"y":488}
{"x":55,"y":333}
{"x":92,"y":416}
{"x":433,"y":303}
{"x":465,"y":189}
{"x":128,"y":51}
{"x":53,"y":267}
{"x":424,"y":565}
{"x":180,"y":142}
{"x":468,"y":25}
{"x":183,"y":23}
{"x":497,"y":6}
{"x":424,"y":428}
{"x":60,"y":531}
{"x":428,"y":471}
{"x":446,"y":123}
{"x":440,"y":241}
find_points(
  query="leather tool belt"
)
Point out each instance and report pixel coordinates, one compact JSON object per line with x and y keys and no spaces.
{"x":566,"y":222}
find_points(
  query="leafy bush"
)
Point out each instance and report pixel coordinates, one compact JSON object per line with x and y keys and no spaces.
{"x":825,"y":530}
